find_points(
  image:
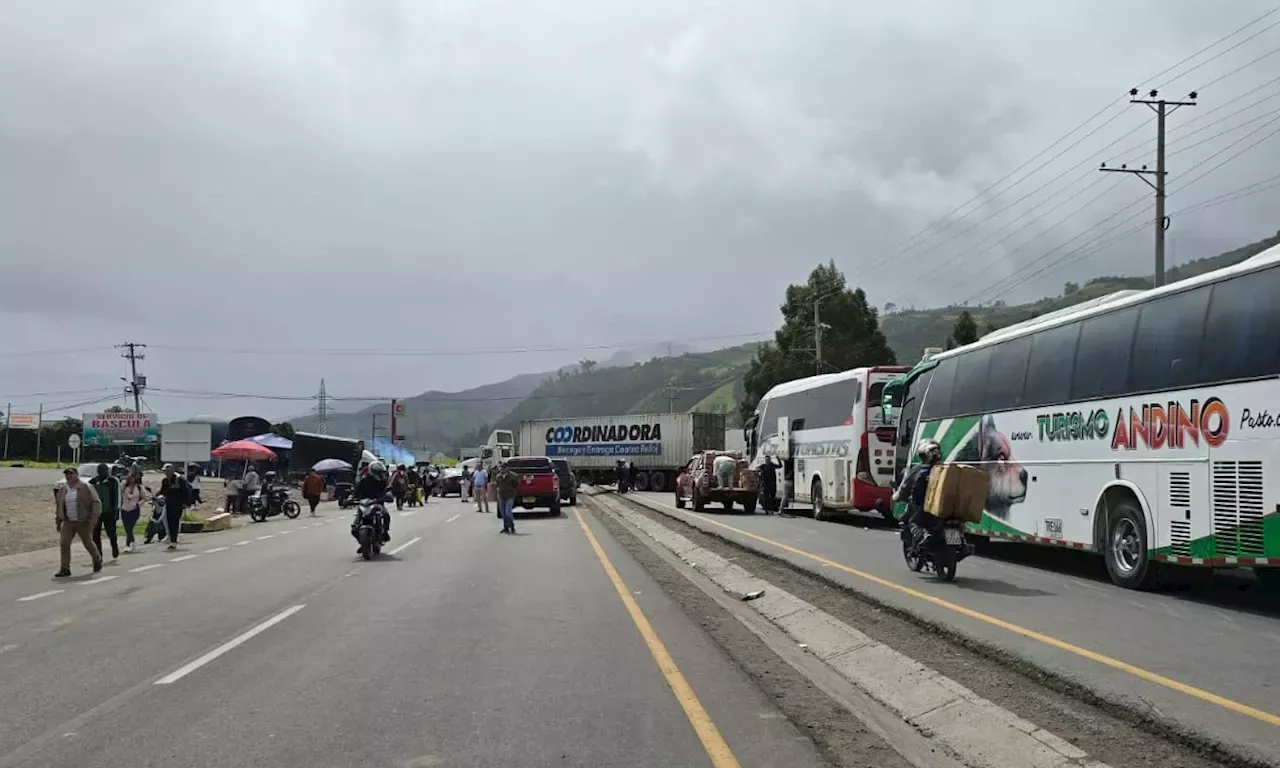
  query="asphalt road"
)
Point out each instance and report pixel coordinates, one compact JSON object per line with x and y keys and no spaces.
{"x":26,"y":477}
{"x":1208,"y":640}
{"x":277,"y":645}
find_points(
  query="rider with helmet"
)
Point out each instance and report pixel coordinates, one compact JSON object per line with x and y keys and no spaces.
{"x":268,"y":489}
{"x":914,"y":487}
{"x":373,"y":486}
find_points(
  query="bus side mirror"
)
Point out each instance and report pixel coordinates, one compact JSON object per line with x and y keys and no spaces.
{"x":886,"y":411}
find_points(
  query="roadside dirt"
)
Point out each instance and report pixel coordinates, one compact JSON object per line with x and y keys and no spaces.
{"x":841,"y":739}
{"x":26,"y":514}
{"x":1072,"y":713}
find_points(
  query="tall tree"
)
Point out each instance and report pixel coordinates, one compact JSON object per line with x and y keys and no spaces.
{"x":965,"y":331}
{"x":851,"y":336}
{"x":586,"y":365}
{"x":283,"y":429}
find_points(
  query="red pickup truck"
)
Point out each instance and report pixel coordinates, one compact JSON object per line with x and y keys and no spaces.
{"x":539,"y":483}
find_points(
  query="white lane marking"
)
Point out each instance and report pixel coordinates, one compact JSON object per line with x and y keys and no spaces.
{"x":242,"y":543}
{"x":98,"y":580}
{"x":39,"y":595}
{"x":405,"y":545}
{"x":184,"y":557}
{"x":7,"y":648}
{"x":142,"y":568}
{"x":215,"y":549}
{"x":410,"y":512}
{"x":455,"y":517}
{"x":282,"y":533}
{"x":231,"y":644}
{"x":268,"y":536}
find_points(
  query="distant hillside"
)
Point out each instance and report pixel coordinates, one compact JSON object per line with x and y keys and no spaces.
{"x":709,"y":381}
{"x":910,"y":331}
{"x":436,"y":420}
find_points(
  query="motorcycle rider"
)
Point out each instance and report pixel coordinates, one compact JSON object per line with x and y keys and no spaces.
{"x":373,"y":486}
{"x":268,"y":490}
{"x":912,"y":490}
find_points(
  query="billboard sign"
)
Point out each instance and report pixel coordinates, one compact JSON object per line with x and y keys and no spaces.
{"x":107,"y":429}
{"x":24,"y":421}
{"x":185,"y":443}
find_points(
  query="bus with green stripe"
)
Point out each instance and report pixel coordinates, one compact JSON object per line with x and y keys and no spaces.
{"x":1143,"y":425}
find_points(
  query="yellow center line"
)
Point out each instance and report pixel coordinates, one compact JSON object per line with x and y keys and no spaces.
{"x":1153,"y":677}
{"x":719,"y":752}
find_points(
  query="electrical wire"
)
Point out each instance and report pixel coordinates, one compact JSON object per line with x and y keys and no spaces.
{"x":1236,"y":194}
{"x":1220,"y":134}
{"x":1237,"y":70}
{"x":43,"y":352}
{"x":447,"y":352}
{"x":1084,"y":251}
{"x":1212,"y":45}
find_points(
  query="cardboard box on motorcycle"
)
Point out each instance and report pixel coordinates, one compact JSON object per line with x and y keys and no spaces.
{"x":957,"y":490}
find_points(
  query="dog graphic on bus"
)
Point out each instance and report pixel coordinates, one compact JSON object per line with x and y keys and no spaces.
{"x":987,"y":447}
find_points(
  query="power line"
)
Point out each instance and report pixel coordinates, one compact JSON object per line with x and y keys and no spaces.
{"x":1220,"y":78}
{"x":1236,"y":194}
{"x":1083,"y":251}
{"x":1212,"y":45}
{"x":447,"y":352}
{"x":43,"y":352}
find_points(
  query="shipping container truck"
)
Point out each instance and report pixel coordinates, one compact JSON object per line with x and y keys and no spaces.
{"x":660,"y":444}
{"x":309,"y":448}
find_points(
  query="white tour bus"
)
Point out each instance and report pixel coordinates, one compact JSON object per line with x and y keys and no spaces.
{"x":1137,"y":425}
{"x":832,"y":437}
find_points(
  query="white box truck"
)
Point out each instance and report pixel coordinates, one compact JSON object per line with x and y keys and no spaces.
{"x":659,"y":444}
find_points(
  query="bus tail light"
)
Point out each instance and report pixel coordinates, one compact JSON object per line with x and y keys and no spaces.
{"x":863,"y":473}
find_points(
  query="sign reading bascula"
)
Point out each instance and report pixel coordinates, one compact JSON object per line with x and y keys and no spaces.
{"x":622,"y":439}
{"x":125,"y":428}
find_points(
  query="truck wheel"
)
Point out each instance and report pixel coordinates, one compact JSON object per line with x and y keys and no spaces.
{"x":749,"y":505}
{"x":698,"y":504}
{"x":1125,"y":549}
{"x":679,"y":500}
{"x":819,"y":508}
{"x":555,"y":508}
{"x":657,"y":481}
{"x":728,"y":505}
{"x":642,"y":481}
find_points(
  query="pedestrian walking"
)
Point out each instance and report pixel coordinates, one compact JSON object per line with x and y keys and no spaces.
{"x":508,"y":485}
{"x":480,"y":482}
{"x":176,"y":492}
{"x":108,"y":489}
{"x":130,"y":507}
{"x":464,"y":485}
{"x":312,"y":487}
{"x":193,"y":479}
{"x":76,"y":510}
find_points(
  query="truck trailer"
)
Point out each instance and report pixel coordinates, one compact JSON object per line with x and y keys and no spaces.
{"x":309,"y":448}
{"x":659,"y":444}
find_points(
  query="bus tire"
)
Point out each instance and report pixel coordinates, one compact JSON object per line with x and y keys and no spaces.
{"x":819,"y":508}
{"x":1125,"y":547}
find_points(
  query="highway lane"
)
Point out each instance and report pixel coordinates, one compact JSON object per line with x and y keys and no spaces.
{"x":466,"y":648}
{"x":1213,"y":648}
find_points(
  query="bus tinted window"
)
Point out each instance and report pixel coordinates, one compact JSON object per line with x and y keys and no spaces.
{"x":937,"y":401}
{"x":1049,"y":367}
{"x":1102,"y":358}
{"x":1007,"y":372}
{"x":1166,"y":352}
{"x":874,"y":394}
{"x":969,"y":389}
{"x":1240,"y":338}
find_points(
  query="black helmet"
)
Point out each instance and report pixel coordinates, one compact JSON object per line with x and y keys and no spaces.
{"x":378,"y":470}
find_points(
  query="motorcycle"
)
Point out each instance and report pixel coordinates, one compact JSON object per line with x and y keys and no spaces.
{"x":368,"y":526}
{"x":276,"y":502}
{"x":939,"y":551}
{"x":343,"y":492}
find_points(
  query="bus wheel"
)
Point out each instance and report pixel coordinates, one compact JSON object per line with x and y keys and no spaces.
{"x":819,"y":508}
{"x":1125,"y":548}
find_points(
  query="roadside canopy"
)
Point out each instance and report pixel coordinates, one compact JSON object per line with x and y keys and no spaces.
{"x":272,"y":440}
{"x":243,"y":450}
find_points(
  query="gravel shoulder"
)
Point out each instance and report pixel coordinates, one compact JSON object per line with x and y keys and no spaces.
{"x":1119,"y":738}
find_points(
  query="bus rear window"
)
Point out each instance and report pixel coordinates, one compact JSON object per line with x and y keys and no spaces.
{"x":874,"y":394}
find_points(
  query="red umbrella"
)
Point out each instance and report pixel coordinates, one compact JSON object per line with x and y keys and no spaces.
{"x":244,"y":450}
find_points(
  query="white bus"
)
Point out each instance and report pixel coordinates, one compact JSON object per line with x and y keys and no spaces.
{"x":833,"y":439}
{"x":1137,"y":425}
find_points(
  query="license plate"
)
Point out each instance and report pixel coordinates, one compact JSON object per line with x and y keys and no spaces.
{"x":955,"y":536}
{"x":528,"y":500}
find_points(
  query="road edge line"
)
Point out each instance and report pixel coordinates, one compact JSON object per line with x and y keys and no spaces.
{"x":709,"y":735}
{"x":970,"y":728}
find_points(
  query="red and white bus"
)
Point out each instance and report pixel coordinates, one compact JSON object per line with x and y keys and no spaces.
{"x":834,"y":443}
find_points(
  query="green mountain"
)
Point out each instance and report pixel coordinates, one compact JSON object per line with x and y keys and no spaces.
{"x":910,"y":331}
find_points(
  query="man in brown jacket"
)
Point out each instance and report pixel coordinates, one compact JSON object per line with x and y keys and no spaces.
{"x":76,"y":512}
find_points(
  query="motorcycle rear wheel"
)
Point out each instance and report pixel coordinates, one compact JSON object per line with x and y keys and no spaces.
{"x":946,"y":563}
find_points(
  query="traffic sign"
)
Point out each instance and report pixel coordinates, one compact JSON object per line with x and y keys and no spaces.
{"x":73,"y":442}
{"x":399,"y":409}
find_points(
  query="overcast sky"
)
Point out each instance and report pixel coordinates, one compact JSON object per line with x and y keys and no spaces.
{"x":484,"y":174}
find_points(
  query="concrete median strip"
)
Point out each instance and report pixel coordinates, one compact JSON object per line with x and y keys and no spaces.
{"x":975,"y":731}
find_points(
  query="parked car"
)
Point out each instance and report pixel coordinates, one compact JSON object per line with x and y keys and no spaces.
{"x":698,"y":484}
{"x":568,"y":481}
{"x":539,"y":483}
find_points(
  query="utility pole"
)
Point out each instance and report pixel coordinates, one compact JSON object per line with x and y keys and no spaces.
{"x":322,"y":410}
{"x":373,"y":431}
{"x":135,"y":387}
{"x":817,"y":339}
{"x":1163,"y":108}
{"x":393,"y":421}
{"x":8,"y":412}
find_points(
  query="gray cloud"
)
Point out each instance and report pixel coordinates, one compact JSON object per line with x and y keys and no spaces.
{"x":476,"y":175}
